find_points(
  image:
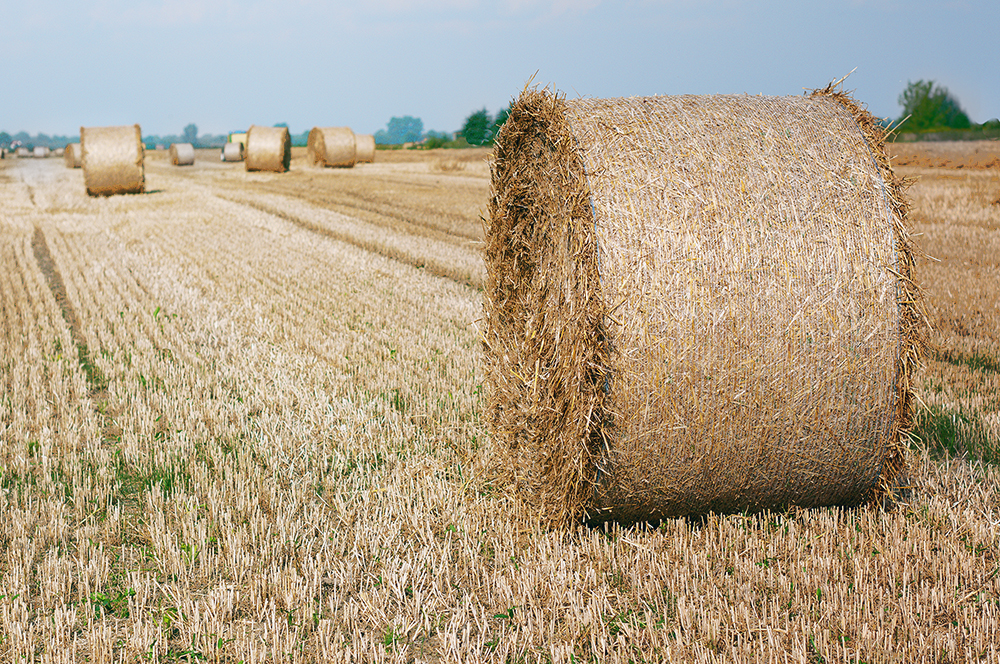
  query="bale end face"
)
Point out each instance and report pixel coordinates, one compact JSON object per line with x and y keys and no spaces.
{"x":688,"y":310}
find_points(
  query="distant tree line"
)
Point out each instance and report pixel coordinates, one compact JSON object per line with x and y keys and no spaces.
{"x":928,"y":107}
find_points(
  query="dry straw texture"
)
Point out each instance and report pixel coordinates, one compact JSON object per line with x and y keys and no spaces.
{"x":181,"y":154}
{"x":232,"y":151}
{"x":366,"y":148}
{"x":268,"y":149}
{"x":113,"y":160}
{"x":697,"y":303}
{"x":332,"y":146}
{"x":73,"y":155}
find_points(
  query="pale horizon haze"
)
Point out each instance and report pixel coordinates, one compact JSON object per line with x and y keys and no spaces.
{"x":226,"y":64}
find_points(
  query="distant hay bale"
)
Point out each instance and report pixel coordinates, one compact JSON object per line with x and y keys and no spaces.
{"x":113,"y":160}
{"x":697,"y":303}
{"x":41,"y":152}
{"x":73,"y":155}
{"x":232,"y":151}
{"x":59,"y":152}
{"x":22,"y":152}
{"x":331,"y":146}
{"x":365,"y":148}
{"x":181,"y":154}
{"x":268,"y":149}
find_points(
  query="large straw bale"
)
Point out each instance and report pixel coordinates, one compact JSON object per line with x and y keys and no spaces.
{"x":113,"y":160}
{"x":181,"y":154}
{"x":268,"y":149}
{"x":40,"y":152}
{"x":73,"y":155}
{"x":232,"y":151}
{"x":22,"y":152}
{"x":697,"y":303}
{"x":331,"y":146}
{"x":365,"y":148}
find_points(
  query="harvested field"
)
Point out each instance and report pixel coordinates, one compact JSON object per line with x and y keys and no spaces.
{"x":241,"y":419}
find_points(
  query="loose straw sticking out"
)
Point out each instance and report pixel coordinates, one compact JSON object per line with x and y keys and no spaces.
{"x":331,"y":146}
{"x":268,"y":149}
{"x":365,"y":148}
{"x":698,"y":303}
{"x":181,"y":154}
{"x":113,"y":160}
{"x":232,"y":151}
{"x":73,"y":155}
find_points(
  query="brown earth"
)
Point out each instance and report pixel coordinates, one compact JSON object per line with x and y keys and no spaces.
{"x":947,"y":154}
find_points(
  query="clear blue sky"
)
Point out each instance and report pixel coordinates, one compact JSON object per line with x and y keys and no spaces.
{"x":224,"y":64}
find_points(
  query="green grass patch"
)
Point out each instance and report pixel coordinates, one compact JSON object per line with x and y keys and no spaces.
{"x":956,"y":432}
{"x":973,"y":361}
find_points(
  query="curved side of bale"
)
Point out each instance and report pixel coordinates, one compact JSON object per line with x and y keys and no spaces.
{"x":181,"y":154}
{"x":365,"y":148}
{"x":698,"y":303}
{"x":268,"y":149}
{"x":40,"y":152}
{"x":331,"y":146}
{"x":73,"y":155}
{"x":22,"y":152}
{"x":112,"y":160}
{"x":232,"y":151}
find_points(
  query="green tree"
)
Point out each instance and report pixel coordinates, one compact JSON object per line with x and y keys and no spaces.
{"x":191,"y":133}
{"x":931,"y":106}
{"x":477,"y":128}
{"x":406,"y":129}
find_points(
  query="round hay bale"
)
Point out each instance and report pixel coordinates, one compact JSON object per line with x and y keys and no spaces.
{"x":73,"y":155}
{"x":181,"y":154}
{"x":697,"y":303}
{"x":331,"y":146}
{"x":232,"y":151}
{"x":59,"y":152}
{"x":365,"y":148}
{"x":113,"y":160}
{"x":22,"y":152}
{"x":41,"y":152}
{"x":268,"y":149}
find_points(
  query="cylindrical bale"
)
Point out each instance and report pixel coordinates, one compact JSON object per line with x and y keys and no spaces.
{"x":181,"y":154}
{"x":232,"y":151}
{"x":73,"y":155}
{"x":22,"y":152}
{"x":268,"y":149}
{"x":113,"y":160}
{"x":365,"y":148}
{"x":41,"y":152}
{"x":696,"y":304}
{"x":59,"y":152}
{"x":331,"y":146}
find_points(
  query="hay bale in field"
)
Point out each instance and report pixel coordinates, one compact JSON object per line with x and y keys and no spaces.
{"x":40,"y":152}
{"x":697,"y":303}
{"x":365,"y":148}
{"x":268,"y":149}
{"x":232,"y":151}
{"x":22,"y":152}
{"x":181,"y":154}
{"x":59,"y":152}
{"x":73,"y":155}
{"x":331,"y":146}
{"x":113,"y":160}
